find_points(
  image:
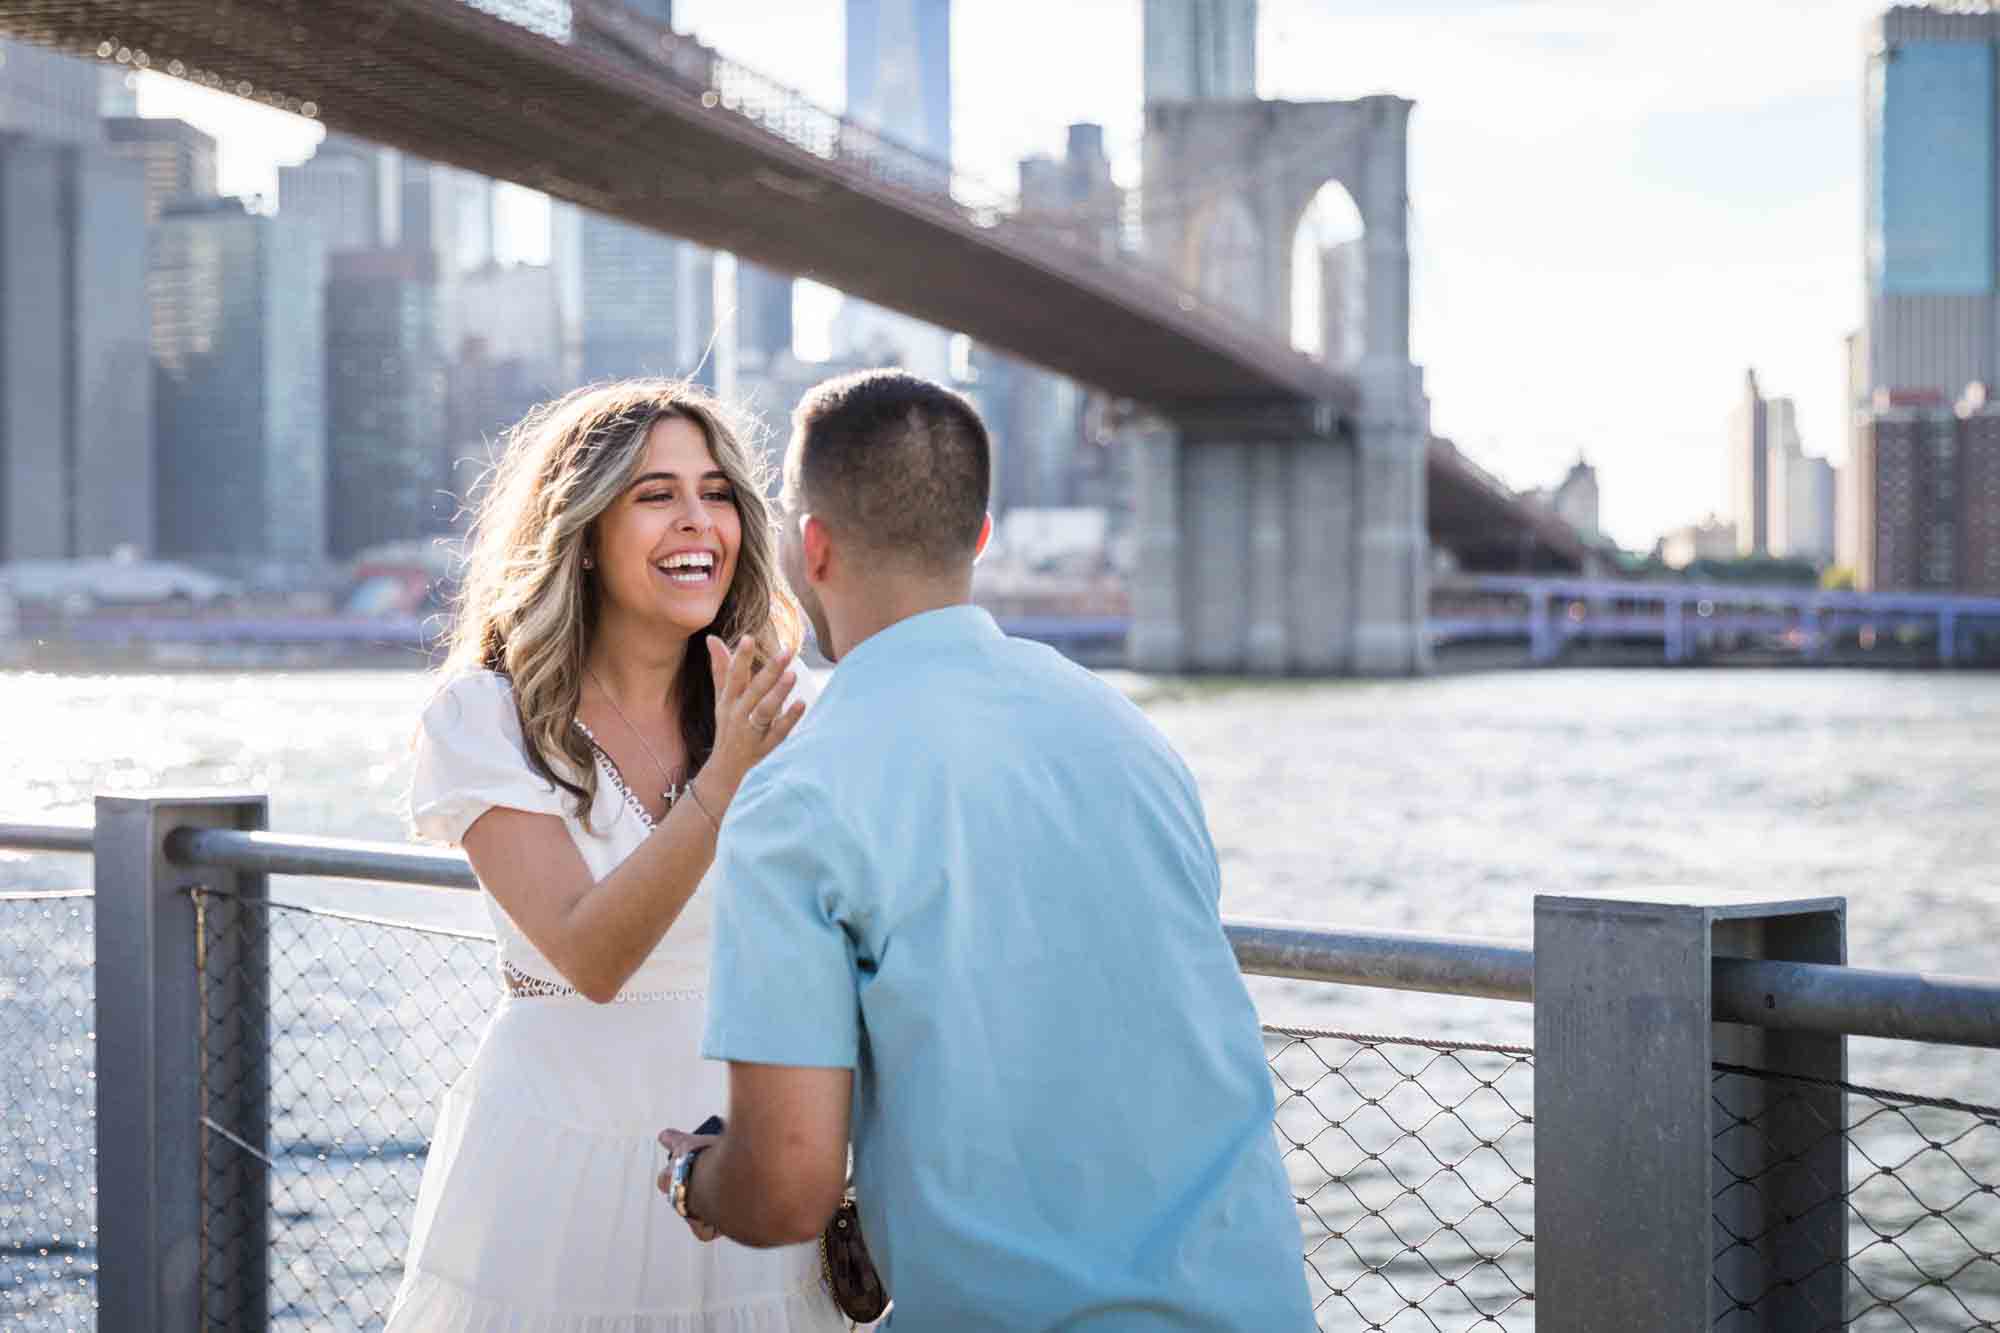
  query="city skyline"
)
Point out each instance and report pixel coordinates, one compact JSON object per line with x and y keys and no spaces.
{"x":1594,"y":265}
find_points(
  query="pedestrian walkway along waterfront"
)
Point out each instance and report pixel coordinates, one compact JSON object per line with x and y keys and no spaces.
{"x":1442,"y":806}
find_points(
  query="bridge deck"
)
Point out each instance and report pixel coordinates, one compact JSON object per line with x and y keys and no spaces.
{"x":632,"y":121}
{"x":604,"y":123}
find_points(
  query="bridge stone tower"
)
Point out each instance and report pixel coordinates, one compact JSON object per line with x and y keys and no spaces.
{"x":1279,"y":538}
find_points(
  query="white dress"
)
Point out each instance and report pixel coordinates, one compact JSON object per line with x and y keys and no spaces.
{"x":538,"y":1211}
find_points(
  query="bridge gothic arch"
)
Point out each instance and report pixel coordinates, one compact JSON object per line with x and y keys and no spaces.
{"x":1329,"y":279}
{"x":1267,"y":542}
{"x":1267,"y":162}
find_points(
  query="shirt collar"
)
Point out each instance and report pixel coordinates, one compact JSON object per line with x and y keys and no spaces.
{"x":915,"y":636}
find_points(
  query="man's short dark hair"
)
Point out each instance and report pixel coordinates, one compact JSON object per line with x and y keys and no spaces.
{"x":895,"y":462}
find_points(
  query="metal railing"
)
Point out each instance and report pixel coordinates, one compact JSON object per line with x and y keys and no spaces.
{"x":1413,"y":1166}
{"x":368,"y":1023}
{"x":1918,"y":1217}
{"x":280,"y":1109}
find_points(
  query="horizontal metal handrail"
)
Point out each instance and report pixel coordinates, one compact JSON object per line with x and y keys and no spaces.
{"x":1387,"y":959}
{"x":340,"y":858}
{"x":47,"y":838}
{"x":1856,"y":1001}
{"x":1802,"y":997}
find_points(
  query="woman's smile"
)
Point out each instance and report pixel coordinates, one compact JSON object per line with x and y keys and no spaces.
{"x":691,"y":568}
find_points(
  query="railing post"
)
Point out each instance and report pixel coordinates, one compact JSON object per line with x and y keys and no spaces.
{"x":1642,"y":1219}
{"x":1674,"y":611}
{"x":159,"y":1257}
{"x":1542,"y":645}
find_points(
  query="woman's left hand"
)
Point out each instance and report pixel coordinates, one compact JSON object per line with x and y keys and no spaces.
{"x":750,"y":715}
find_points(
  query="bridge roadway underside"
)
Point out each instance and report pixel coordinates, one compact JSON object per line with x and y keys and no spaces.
{"x":596,"y":125}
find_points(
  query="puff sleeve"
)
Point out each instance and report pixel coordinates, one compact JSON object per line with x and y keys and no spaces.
{"x":470,"y":758}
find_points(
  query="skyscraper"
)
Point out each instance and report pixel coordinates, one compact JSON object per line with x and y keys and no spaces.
{"x":447,"y":213}
{"x":1750,"y":470}
{"x":898,"y":83}
{"x":177,"y":158}
{"x":385,"y":401}
{"x":350,"y":190}
{"x":1930,"y":481}
{"x":47,"y":95}
{"x":1781,"y":500}
{"x":1038,"y":417}
{"x":1930,"y":242}
{"x":1812,"y":510}
{"x":516,"y":313}
{"x":763,"y":314}
{"x":76,"y":421}
{"x":239,"y":351}
{"x":1923,"y":364}
{"x":1784,"y":452}
{"x":1575,"y":500}
{"x":648,"y":302}
{"x":899,"y":71}
{"x":1201,"y":50}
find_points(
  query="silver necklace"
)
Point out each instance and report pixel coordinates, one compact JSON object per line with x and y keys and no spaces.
{"x":674,"y":789}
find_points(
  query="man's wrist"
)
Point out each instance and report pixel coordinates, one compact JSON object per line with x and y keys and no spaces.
{"x":683,"y":1183}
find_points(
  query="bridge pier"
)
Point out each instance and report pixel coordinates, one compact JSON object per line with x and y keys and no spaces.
{"x":1392,"y":562}
{"x":1271,"y":543}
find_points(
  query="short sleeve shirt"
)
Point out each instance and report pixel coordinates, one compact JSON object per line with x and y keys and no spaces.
{"x":980,"y":878}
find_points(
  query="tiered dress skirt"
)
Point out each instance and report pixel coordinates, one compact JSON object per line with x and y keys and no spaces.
{"x":538,"y":1211}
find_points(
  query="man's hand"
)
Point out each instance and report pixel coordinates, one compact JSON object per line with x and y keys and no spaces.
{"x":680,"y":1144}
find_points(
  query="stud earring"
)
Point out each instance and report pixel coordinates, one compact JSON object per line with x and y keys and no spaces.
{"x":589,"y":563}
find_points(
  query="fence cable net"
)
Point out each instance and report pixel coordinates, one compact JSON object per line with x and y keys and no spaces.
{"x":48,"y":1138}
{"x":368,"y":1022}
{"x":1842,"y":1206}
{"x":1412,"y":1163}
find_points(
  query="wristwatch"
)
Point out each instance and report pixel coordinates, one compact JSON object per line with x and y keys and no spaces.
{"x":683,"y":1175}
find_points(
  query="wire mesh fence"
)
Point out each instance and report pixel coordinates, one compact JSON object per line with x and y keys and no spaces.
{"x":1915,"y":1220}
{"x":367,"y":1023}
{"x":327,"y":1039}
{"x":48,"y":1137}
{"x":1413,"y":1165}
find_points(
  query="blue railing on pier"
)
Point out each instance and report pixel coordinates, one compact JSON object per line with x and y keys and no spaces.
{"x":1696,"y":621}
{"x":219,"y":1104}
{"x":1547,"y":618}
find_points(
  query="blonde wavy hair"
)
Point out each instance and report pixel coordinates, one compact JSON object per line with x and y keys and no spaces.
{"x":528,"y":609}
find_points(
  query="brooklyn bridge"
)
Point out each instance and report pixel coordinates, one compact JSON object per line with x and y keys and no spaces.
{"x":1286,"y":508}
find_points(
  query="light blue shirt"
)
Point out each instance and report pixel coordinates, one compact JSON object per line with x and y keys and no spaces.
{"x":980,"y":878}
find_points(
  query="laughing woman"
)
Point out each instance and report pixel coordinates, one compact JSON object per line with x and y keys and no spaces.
{"x":591,"y":728}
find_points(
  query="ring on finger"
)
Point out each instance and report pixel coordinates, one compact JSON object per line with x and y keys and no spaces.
{"x":761,"y":723}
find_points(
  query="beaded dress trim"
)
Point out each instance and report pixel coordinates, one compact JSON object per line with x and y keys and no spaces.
{"x":526,"y":986}
{"x":609,"y":767}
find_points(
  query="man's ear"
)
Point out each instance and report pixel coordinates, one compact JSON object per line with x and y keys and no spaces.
{"x":816,"y":544}
{"x":985,"y":536}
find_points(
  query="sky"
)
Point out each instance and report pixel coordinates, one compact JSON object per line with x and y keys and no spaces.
{"x":1616,"y":208}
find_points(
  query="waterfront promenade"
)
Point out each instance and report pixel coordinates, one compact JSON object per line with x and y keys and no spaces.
{"x":1441,"y":807}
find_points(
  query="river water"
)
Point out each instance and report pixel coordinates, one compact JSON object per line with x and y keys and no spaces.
{"x":1436,"y":805}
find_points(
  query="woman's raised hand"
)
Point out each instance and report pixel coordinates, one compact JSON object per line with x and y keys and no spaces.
{"x":750,"y":714}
